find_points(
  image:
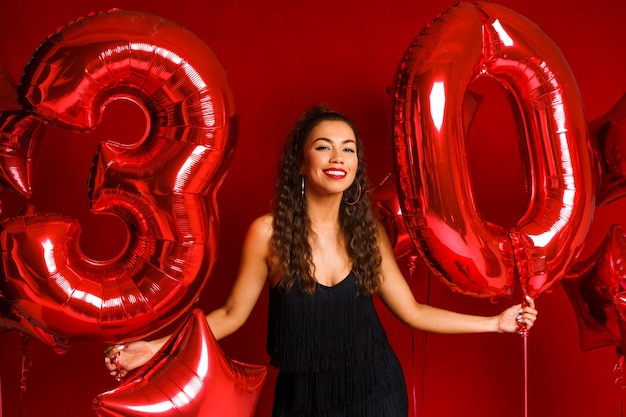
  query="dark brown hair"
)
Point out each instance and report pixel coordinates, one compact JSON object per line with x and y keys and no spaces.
{"x":291,"y":251}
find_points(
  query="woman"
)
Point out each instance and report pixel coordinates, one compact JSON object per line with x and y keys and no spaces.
{"x":324,"y":256}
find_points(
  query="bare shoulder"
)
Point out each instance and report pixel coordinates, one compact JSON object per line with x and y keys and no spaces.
{"x":260,"y":230}
{"x":380,"y":227}
{"x":263,"y":224}
{"x":381,"y":236}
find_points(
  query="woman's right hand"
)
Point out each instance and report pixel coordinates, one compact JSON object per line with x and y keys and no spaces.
{"x":123,"y":358}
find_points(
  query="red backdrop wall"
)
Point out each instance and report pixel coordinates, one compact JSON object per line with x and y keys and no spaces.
{"x":281,"y":57}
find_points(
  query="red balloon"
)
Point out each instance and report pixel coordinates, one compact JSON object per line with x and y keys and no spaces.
{"x":8,"y":95}
{"x":620,"y":373}
{"x":592,"y":285}
{"x":608,"y":134}
{"x":386,"y":201}
{"x":20,"y":135}
{"x":189,"y":376}
{"x":471,"y":255}
{"x":620,"y":369}
{"x":385,"y":196}
{"x":163,"y":186}
{"x":10,"y":318}
{"x":20,"y":132}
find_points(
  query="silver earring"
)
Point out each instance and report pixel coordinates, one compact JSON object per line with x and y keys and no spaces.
{"x":358,"y":197}
{"x":302,"y":186}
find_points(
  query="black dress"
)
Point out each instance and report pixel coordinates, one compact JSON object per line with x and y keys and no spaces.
{"x":333,"y":355}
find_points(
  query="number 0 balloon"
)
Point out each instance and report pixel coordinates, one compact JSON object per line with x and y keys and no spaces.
{"x":473,"y":256}
{"x":163,"y":186}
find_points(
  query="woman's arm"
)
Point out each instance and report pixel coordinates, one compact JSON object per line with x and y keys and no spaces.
{"x":397,"y":296}
{"x":250,"y":281}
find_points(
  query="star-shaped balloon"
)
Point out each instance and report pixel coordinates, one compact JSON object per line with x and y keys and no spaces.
{"x":10,"y":318}
{"x":20,"y":133}
{"x":8,"y":93}
{"x":620,"y":370}
{"x":189,"y":376}
{"x":592,"y":285}
{"x":608,"y":136}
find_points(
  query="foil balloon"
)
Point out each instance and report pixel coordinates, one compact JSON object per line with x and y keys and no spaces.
{"x":471,"y":255}
{"x":592,"y":286}
{"x":8,"y":95}
{"x":11,"y":319}
{"x":620,"y":367}
{"x":20,"y":134}
{"x":385,"y":196}
{"x":620,"y":374}
{"x":385,"y":199}
{"x":608,"y":134}
{"x":189,"y":376}
{"x":163,"y":186}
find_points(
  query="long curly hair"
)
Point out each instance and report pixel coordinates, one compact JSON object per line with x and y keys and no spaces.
{"x":290,"y":248}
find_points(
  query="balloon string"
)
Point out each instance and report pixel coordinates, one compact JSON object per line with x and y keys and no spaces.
{"x":414,"y":379}
{"x":414,"y":388}
{"x":25,"y":368}
{"x":412,"y":260}
{"x":414,"y":382}
{"x":425,"y":350}
{"x":0,"y":394}
{"x":423,"y":393}
{"x":522,"y":330}
{"x":525,"y":338}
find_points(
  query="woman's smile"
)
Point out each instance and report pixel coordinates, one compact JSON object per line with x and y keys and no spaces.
{"x":335,"y":173}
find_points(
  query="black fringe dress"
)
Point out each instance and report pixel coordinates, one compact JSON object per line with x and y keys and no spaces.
{"x":333,"y":355}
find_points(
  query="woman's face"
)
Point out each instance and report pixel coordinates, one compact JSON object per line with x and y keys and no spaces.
{"x":330,"y":158}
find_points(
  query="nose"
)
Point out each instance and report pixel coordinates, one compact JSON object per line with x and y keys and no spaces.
{"x":336,"y":156}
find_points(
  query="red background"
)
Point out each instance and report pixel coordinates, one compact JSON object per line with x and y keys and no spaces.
{"x":281,"y":57}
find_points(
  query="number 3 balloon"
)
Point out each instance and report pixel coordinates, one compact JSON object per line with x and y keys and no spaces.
{"x":163,"y":186}
{"x":480,"y":39}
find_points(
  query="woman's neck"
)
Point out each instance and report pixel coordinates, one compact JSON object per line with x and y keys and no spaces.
{"x":323,"y":211}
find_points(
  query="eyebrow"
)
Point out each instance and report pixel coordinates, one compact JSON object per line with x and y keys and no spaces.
{"x":344,"y":141}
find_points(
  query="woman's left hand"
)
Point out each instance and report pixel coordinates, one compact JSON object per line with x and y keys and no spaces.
{"x":509,"y":320}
